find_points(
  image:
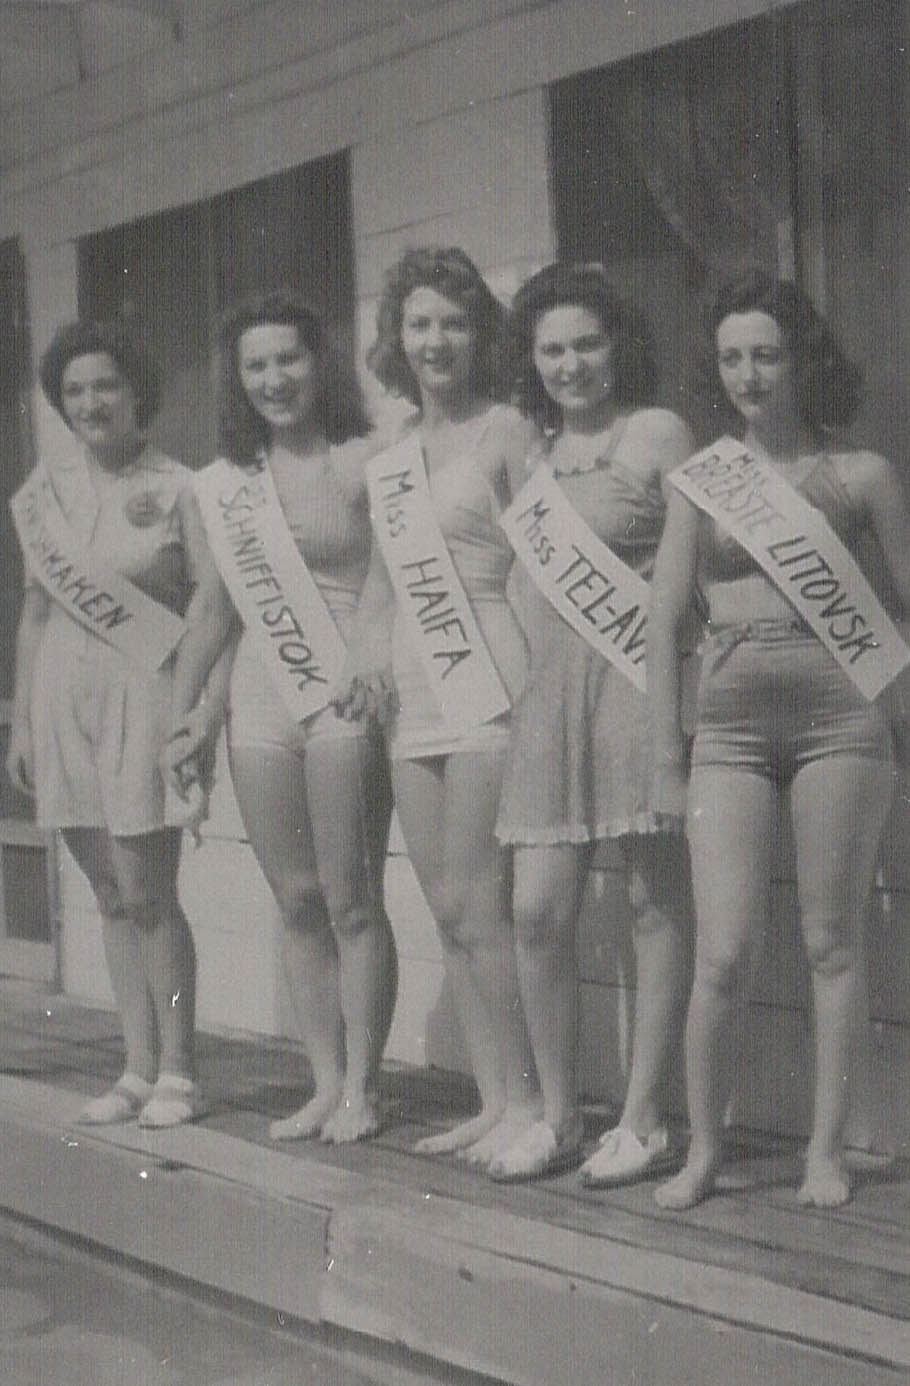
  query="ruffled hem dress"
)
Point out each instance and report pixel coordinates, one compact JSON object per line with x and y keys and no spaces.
{"x":582,"y":746}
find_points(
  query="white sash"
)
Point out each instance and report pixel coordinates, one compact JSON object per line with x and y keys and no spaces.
{"x":603,"y":599}
{"x":797,"y":549}
{"x":431,"y":600}
{"x":103,"y":602}
{"x":275,"y":593}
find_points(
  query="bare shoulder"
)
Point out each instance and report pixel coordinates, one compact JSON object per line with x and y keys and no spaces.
{"x":508,"y":433}
{"x":866,"y":475}
{"x":662,"y":430}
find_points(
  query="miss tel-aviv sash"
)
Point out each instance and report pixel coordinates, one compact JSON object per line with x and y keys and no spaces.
{"x":103,"y":602}
{"x":431,"y":600}
{"x":797,"y":549}
{"x":603,"y":599}
{"x":273,"y":591}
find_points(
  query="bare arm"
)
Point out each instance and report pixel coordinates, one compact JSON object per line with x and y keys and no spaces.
{"x":204,"y":656}
{"x":672,"y":589}
{"x":20,"y":757}
{"x":366,"y":687}
{"x":888,"y":510}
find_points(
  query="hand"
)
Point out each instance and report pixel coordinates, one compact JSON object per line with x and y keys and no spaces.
{"x":20,"y":761}
{"x":670,"y":789}
{"x":188,"y":755}
{"x":370,"y":695}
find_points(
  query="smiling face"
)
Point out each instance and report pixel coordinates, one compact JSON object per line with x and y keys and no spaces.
{"x":438,"y":341}
{"x":278,"y":372}
{"x":573,"y":357}
{"x":99,"y":404}
{"x":756,"y":370}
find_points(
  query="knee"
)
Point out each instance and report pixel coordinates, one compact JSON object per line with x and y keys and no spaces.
{"x":720,"y":971}
{"x":301,"y":902}
{"x":108,"y":897}
{"x":830,"y":946}
{"x":356,"y":919}
{"x":537,"y":926}
{"x":449,"y":906}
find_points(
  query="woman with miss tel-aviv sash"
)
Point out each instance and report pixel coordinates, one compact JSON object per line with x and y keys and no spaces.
{"x":585,"y":529}
{"x":790,"y":701}
{"x":458,"y":654}
{"x":117,"y":574}
{"x":285,"y":510}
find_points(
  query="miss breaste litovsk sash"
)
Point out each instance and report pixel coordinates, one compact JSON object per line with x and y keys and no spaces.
{"x":796,"y":548}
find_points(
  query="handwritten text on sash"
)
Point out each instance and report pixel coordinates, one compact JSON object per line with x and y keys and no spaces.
{"x":799,"y":551}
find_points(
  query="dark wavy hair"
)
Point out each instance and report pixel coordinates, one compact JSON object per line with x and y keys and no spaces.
{"x":114,"y":339}
{"x":827,"y":383}
{"x":585,"y":286}
{"x":451,"y":273}
{"x":242,"y":432}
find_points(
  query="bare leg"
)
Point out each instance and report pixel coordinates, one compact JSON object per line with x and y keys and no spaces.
{"x":660,"y":895}
{"x":91,"y":848}
{"x":271,"y":790}
{"x":839,"y":808}
{"x":341,"y":782}
{"x":731,"y":815}
{"x":447,"y":809}
{"x":147,"y":869}
{"x":547,"y":893}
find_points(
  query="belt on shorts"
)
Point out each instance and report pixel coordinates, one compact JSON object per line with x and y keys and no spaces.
{"x":723,"y":640}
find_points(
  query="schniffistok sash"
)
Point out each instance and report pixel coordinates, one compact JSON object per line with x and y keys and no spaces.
{"x":102,"y":601}
{"x":601,"y":597}
{"x":431,"y":600}
{"x":275,"y":593}
{"x":796,"y":548}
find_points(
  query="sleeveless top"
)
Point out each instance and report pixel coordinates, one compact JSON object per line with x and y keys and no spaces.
{"x":723,"y":559}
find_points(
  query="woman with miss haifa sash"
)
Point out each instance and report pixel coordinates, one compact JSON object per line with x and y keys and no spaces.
{"x":458,"y":654}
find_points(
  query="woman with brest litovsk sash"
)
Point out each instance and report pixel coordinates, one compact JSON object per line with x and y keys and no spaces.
{"x":771,"y":525}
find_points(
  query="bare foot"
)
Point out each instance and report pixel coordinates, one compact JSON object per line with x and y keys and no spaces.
{"x":694,"y":1183}
{"x":356,"y":1118}
{"x":513,"y":1123}
{"x":826,"y":1183}
{"x":308,"y":1121}
{"x":464,"y":1134}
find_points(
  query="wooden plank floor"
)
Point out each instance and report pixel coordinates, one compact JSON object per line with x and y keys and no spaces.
{"x":858,"y":1255}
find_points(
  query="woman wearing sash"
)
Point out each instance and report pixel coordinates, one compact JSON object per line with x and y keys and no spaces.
{"x":458,"y":653}
{"x":581,"y":748}
{"x":285,"y":510}
{"x":117,"y":572}
{"x":779,"y":716}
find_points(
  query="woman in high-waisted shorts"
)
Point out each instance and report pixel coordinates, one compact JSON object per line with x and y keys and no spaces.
{"x":313,"y":793}
{"x":777,"y":718}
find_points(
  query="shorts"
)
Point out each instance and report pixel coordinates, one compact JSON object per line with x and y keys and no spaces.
{"x":98,"y":724}
{"x":772,"y":700}
{"x":258,"y":716}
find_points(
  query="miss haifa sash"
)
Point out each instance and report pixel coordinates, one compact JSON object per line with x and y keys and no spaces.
{"x":797,"y":549}
{"x":273,"y":590}
{"x":431,"y":600}
{"x":603,"y":599}
{"x":103,"y":602}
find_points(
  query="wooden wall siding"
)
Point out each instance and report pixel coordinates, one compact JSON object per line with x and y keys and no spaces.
{"x":233,"y":105}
